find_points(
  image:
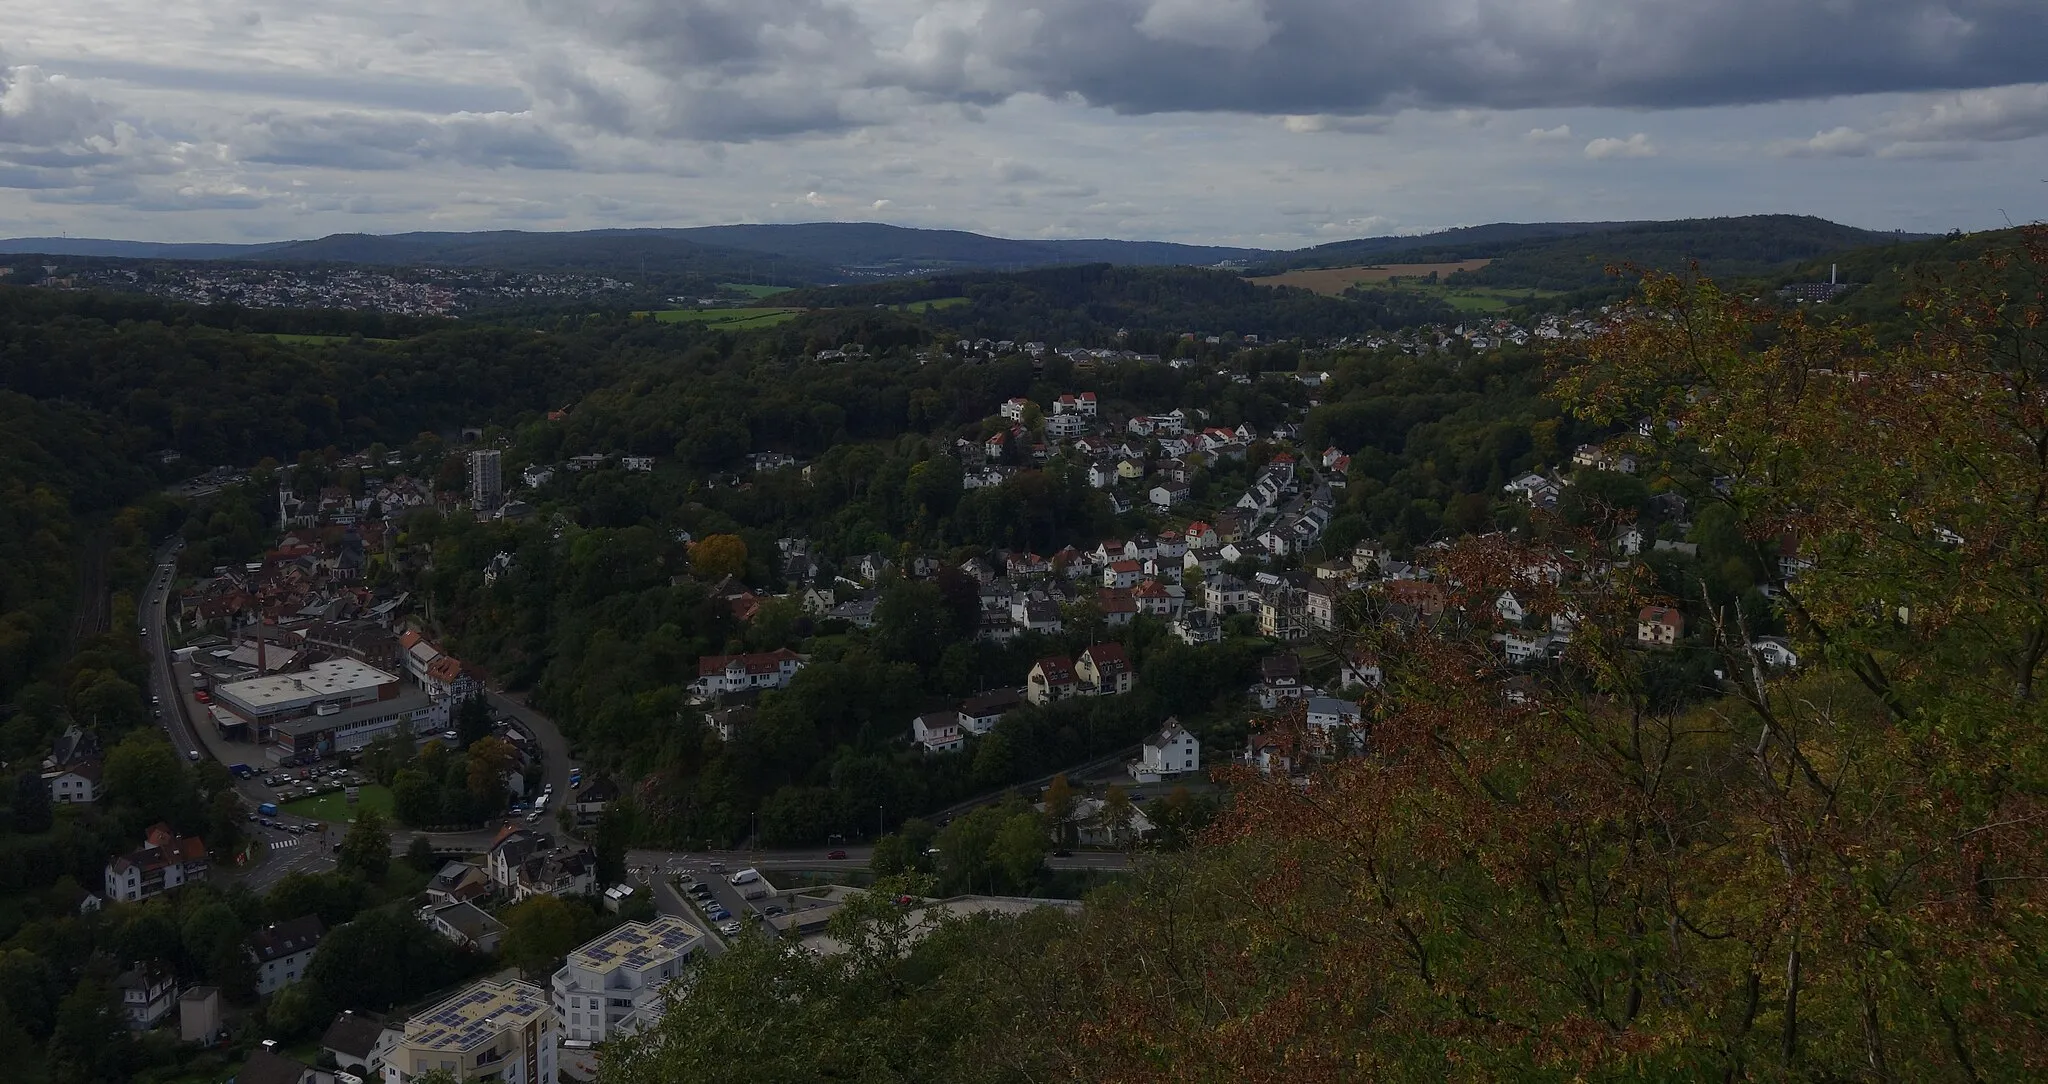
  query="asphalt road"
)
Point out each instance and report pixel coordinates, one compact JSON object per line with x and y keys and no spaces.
{"x":554,"y":749}
{"x":185,"y":721}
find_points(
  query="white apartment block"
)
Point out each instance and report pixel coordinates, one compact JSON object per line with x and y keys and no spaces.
{"x":613,"y":985}
{"x":501,"y":1032}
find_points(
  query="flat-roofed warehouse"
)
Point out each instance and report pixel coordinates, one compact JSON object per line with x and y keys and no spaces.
{"x":330,"y":707}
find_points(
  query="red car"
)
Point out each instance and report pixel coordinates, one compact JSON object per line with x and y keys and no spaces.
{"x":202,"y":697}
{"x":835,"y":854}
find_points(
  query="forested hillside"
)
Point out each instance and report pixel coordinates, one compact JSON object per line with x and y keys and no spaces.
{"x":1091,"y":303}
{"x":1723,"y":247}
{"x":1832,"y":870}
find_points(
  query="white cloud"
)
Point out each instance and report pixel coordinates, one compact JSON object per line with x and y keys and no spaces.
{"x":1994,"y":115}
{"x":1635,"y":146}
{"x":1838,"y":142}
{"x":1560,"y":134}
{"x":1306,"y":123}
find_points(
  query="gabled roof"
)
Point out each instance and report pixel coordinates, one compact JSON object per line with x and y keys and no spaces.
{"x":1282,"y":666}
{"x":354,"y":1034}
{"x":1169,"y":732}
{"x":1057,"y":671}
{"x":266,"y":1067}
{"x":766,"y":663}
{"x":283,"y":939}
{"x":1108,"y":658}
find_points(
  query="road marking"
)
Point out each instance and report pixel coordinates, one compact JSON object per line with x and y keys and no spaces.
{"x":281,"y":844}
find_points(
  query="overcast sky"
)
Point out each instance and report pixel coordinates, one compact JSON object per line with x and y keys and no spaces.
{"x":1270,"y":123}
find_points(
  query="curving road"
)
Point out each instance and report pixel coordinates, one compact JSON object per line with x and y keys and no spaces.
{"x":277,"y":853}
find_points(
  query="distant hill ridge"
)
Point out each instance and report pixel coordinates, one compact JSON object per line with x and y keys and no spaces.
{"x":834,"y":252}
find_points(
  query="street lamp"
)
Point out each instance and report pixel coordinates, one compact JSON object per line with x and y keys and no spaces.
{"x":754,"y":822}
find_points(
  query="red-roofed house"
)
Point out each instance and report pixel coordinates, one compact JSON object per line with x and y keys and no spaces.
{"x":1122,"y":574}
{"x":1659,"y":626}
{"x":1154,"y":599}
{"x":166,"y":861}
{"x":1051,"y":679}
{"x":721,"y":674}
{"x":1104,"y":670}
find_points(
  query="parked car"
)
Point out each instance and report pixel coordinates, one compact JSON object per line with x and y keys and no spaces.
{"x":835,"y":854}
{"x":730,"y":929}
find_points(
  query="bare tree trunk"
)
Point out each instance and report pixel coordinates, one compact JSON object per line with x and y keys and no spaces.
{"x":1790,"y":1052}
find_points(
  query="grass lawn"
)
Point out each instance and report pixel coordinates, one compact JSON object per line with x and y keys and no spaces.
{"x":334,"y":808}
{"x":728,"y":318}
{"x":753,"y":289}
{"x":1476,"y":298}
{"x":936,"y":303}
{"x":321,"y":339}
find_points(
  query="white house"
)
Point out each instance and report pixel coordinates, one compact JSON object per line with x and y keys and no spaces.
{"x":1361,"y":669}
{"x":79,"y":782}
{"x":282,"y":950}
{"x":938,"y":732}
{"x":1014,"y":409}
{"x":1165,"y":497}
{"x":1776,"y":653}
{"x":1122,"y":574}
{"x":147,"y":994}
{"x":980,"y":714}
{"x":1327,"y":713}
{"x":721,"y":674}
{"x":1171,"y":752}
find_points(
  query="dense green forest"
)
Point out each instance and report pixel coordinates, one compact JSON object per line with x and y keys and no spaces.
{"x":1576,"y":256}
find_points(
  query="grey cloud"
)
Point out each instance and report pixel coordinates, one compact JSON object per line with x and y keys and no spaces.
{"x":1353,"y":56}
{"x":381,"y":91}
{"x":732,"y":70}
{"x":38,"y":111}
{"x":728,"y":37}
{"x":364,"y":141}
{"x":745,"y":69}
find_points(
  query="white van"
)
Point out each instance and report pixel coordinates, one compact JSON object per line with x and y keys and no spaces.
{"x":745,"y":876}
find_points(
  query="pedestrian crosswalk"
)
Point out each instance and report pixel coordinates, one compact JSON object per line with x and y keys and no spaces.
{"x":281,"y":844}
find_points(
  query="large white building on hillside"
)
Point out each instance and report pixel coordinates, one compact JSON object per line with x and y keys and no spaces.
{"x":613,"y":985}
{"x":502,"y":1032}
